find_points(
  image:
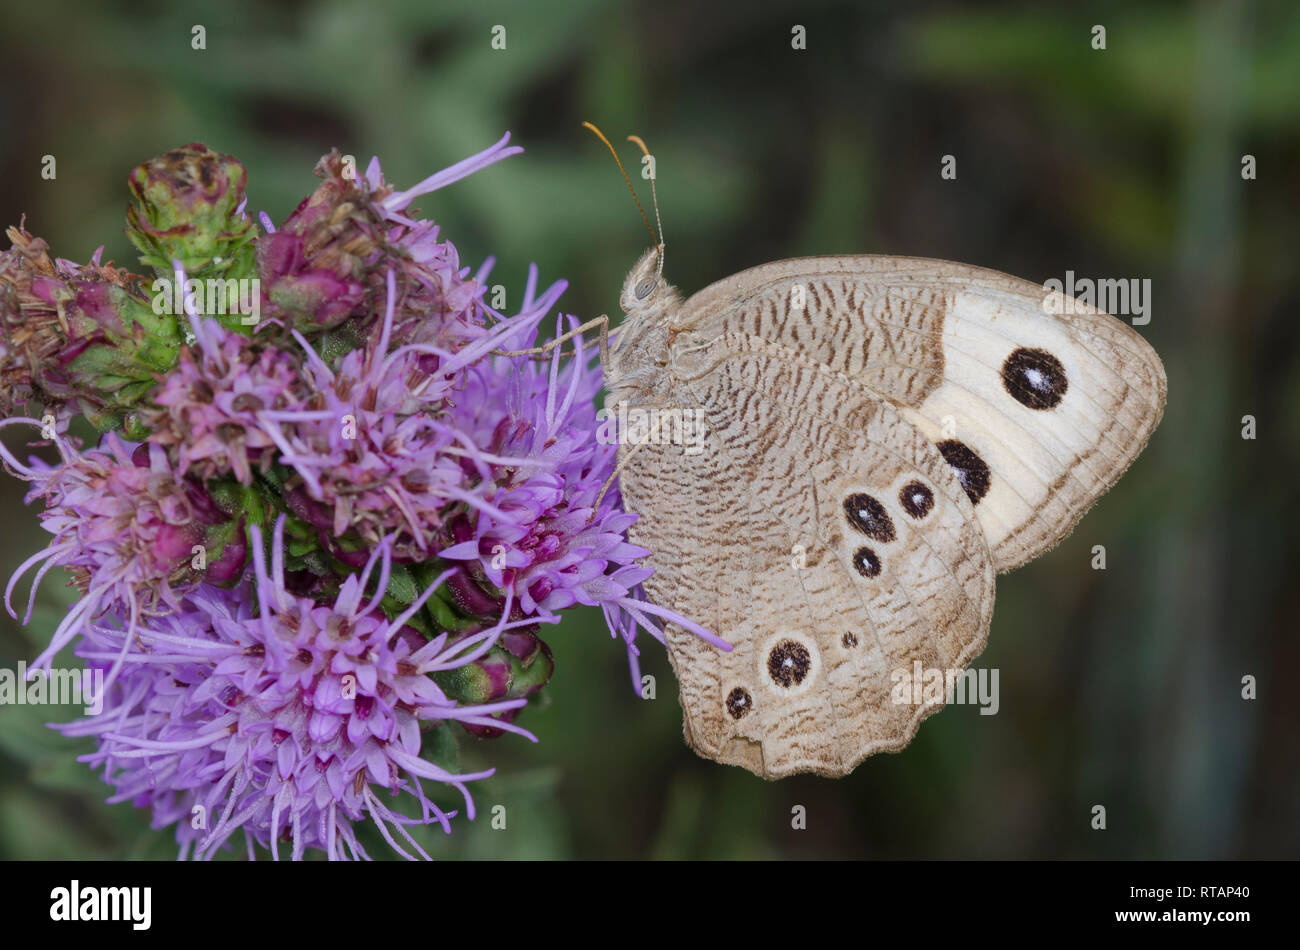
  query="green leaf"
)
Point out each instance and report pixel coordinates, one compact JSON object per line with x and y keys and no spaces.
{"x":401,"y":585}
{"x":441,"y":747}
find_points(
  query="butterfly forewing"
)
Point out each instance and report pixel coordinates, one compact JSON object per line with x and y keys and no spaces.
{"x":1041,"y":412}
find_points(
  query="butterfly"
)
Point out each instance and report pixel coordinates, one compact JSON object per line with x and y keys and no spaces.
{"x":874,"y":438}
{"x":881,"y":436}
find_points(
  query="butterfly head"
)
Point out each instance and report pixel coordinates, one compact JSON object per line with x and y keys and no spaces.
{"x":640,"y":348}
{"x":643,"y":283}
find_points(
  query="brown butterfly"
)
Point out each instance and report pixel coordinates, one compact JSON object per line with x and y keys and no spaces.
{"x":880,"y":436}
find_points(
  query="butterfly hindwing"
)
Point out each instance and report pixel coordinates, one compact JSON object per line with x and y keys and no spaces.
{"x":828,"y":540}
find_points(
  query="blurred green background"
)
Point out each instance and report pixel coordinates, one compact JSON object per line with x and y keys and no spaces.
{"x":1119,"y":687}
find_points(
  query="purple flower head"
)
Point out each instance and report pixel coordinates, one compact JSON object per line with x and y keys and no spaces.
{"x":434,"y":504}
{"x":210,"y":407}
{"x":367,"y":446}
{"x":290,"y":718}
{"x":539,"y":534}
{"x":327,"y":266}
{"x":124,"y":525}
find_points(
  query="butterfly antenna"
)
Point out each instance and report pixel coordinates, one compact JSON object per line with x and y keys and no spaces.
{"x":601,"y":135}
{"x":654,"y":196}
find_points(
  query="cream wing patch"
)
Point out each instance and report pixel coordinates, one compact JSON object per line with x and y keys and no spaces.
{"x":1055,"y":412}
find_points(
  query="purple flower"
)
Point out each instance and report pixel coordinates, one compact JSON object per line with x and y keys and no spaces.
{"x":327,"y":267}
{"x":434,"y":504}
{"x":210,"y":406}
{"x":125,"y":526}
{"x":539,"y":535}
{"x":288,"y":720}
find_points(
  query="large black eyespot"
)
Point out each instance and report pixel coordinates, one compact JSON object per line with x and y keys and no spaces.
{"x":788,"y":663}
{"x":971,"y":470}
{"x":869,"y":516}
{"x":1034,"y":378}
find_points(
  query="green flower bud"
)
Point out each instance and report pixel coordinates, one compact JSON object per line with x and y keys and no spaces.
{"x":189,"y":208}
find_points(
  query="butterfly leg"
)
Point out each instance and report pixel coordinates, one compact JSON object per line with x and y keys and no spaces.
{"x":651,"y":438}
{"x":537,"y":351}
{"x":613,"y":475}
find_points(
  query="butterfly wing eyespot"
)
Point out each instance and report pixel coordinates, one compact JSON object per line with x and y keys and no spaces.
{"x":866,"y":562}
{"x":1035,"y":378}
{"x":868,"y":515}
{"x":916,"y":499}
{"x":788,"y":663}
{"x":739,"y":702}
{"x":971,"y":470}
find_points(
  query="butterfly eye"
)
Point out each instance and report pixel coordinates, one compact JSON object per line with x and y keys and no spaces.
{"x":645,"y":288}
